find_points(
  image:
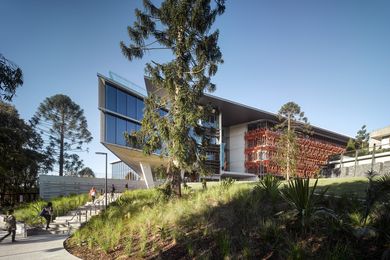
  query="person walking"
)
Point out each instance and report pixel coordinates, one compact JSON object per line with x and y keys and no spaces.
{"x":47,"y":213}
{"x":92,"y":193}
{"x":10,"y":225}
{"x":112,"y":191}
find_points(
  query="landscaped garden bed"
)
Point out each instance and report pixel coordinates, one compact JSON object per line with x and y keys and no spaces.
{"x":265,"y":220}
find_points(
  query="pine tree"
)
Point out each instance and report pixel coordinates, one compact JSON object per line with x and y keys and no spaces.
{"x":183,"y":27}
{"x":11,"y":77}
{"x":65,"y":127}
{"x":362,"y":138}
{"x":292,"y":123}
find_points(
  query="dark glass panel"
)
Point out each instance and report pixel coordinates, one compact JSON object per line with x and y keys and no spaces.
{"x":121,"y":99}
{"x":140,"y":109}
{"x":120,"y":130}
{"x":131,"y":106}
{"x":111,"y":98}
{"x":110,"y":129}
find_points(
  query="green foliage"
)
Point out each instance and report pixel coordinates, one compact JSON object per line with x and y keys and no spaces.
{"x":301,"y":197}
{"x":292,"y":122}
{"x":378,"y":190}
{"x":226,"y":183}
{"x":65,"y":128}
{"x":361,"y":138}
{"x":183,"y":27}
{"x":11,"y":77}
{"x":351,"y":145}
{"x":21,"y":158}
{"x":29,"y":213}
{"x":233,"y":223}
{"x":86,"y":172}
{"x":269,"y":184}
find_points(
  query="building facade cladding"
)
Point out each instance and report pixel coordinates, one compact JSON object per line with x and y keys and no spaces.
{"x":120,"y":170}
{"x":123,"y":113}
{"x":260,"y":151}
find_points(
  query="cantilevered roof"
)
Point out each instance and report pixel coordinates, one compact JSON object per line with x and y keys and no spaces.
{"x":234,"y":113}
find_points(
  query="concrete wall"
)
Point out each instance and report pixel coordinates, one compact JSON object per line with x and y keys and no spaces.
{"x":53,"y":186}
{"x":362,"y":164}
{"x":237,"y":148}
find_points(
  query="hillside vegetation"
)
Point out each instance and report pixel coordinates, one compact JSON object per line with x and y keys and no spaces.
{"x":266,"y":220}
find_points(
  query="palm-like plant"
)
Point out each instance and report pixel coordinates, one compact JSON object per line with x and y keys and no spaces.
{"x":301,"y":197}
{"x":378,"y":190}
{"x":269,"y":184}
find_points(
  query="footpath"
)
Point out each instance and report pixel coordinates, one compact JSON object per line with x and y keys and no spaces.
{"x":50,"y":244}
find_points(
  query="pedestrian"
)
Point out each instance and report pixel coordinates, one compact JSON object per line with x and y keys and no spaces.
{"x":10,"y":225}
{"x":47,"y":213}
{"x":112,"y":191}
{"x":127,"y":186}
{"x":92,"y":193}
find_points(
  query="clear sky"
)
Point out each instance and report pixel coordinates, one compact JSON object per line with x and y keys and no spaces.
{"x":332,"y":57}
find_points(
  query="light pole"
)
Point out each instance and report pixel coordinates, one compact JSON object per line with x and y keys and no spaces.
{"x":101,"y":153}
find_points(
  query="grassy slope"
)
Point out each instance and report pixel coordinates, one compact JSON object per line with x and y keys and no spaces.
{"x":235,"y":222}
{"x":337,"y":186}
{"x":29,"y":213}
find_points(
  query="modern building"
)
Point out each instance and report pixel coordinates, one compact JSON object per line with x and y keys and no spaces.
{"x":380,"y":138}
{"x":120,"y":170}
{"x":242,"y":146}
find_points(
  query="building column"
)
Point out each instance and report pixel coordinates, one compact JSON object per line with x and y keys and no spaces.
{"x":147,"y":173}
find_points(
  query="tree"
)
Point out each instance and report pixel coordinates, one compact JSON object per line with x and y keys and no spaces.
{"x":292,"y":123}
{"x":351,"y":145}
{"x":87,"y":172}
{"x":65,"y":127}
{"x":362,"y":138}
{"x":21,"y":157}
{"x":11,"y":77}
{"x":183,"y":27}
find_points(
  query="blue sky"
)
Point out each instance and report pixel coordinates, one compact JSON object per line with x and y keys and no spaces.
{"x":331,"y":57}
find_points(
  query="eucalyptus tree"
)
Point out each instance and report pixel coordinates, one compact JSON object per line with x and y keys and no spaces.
{"x":64,"y":126}
{"x":184,"y":27}
{"x":11,"y":77}
{"x":292,"y":123}
{"x":86,"y":172}
{"x":21,"y":155}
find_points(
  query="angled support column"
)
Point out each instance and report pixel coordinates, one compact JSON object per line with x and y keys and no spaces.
{"x":147,"y":174}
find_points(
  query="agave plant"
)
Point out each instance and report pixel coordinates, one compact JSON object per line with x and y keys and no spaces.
{"x":269,"y":184}
{"x":303,"y":199}
{"x":377,"y":190}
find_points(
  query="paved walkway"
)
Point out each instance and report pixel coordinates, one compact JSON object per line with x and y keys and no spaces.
{"x":38,"y":247}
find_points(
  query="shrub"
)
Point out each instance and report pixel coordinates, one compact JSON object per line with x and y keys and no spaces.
{"x":226,"y":183}
{"x":269,"y":184}
{"x":301,"y":197}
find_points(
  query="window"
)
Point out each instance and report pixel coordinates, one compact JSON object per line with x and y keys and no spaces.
{"x":110,"y":129}
{"x":120,"y":130}
{"x":162,"y":112}
{"x":121,"y":102}
{"x":111,"y":98}
{"x":131,"y":106}
{"x":140,"y":109}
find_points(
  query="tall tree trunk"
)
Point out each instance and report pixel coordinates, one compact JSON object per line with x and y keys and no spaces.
{"x":288,"y":148}
{"x":61,"y":157}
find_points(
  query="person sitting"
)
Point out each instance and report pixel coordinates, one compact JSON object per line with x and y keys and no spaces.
{"x":47,"y":213}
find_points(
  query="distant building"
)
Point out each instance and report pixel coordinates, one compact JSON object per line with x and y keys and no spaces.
{"x":242,"y":145}
{"x":381,"y":138}
{"x":120,"y":170}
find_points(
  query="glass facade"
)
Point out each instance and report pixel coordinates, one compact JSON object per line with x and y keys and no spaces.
{"x":130,"y":110}
{"x":120,"y":170}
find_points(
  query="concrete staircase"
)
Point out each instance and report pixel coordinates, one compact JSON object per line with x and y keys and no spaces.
{"x":74,"y":219}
